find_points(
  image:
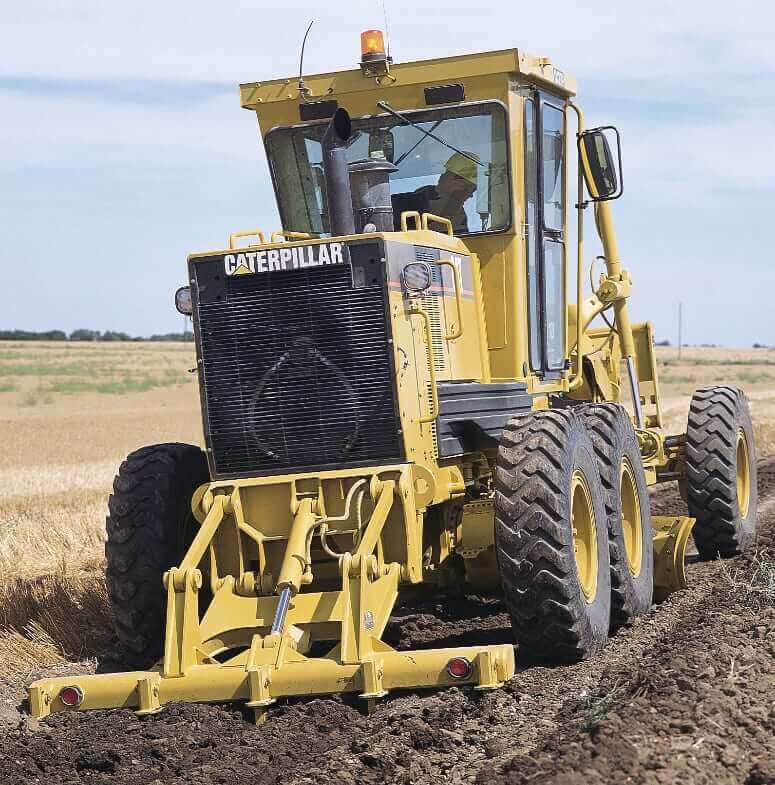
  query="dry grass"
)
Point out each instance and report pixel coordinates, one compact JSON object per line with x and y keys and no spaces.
{"x":26,"y":652}
{"x":41,"y":532}
{"x":596,"y":707}
{"x":755,"y":583}
{"x":63,"y":441}
{"x":71,"y":412}
{"x":53,"y":618}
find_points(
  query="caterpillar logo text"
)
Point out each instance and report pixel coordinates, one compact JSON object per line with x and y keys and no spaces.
{"x":280,"y":259}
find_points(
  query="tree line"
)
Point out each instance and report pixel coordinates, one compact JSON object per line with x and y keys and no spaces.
{"x":88,"y":335}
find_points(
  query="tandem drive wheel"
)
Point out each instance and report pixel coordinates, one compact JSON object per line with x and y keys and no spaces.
{"x":551,"y":536}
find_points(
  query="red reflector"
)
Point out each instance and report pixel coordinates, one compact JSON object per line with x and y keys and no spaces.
{"x":71,"y":696}
{"x":459,"y":668}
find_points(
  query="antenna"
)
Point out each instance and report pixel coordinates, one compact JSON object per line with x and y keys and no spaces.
{"x":387,"y":28}
{"x":303,"y":91}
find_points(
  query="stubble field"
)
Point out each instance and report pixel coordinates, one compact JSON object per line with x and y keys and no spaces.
{"x":69,"y":413}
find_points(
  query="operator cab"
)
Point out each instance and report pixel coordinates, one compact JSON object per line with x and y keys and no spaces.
{"x":480,"y":140}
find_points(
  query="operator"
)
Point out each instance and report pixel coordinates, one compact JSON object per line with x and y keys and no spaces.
{"x":455,"y":187}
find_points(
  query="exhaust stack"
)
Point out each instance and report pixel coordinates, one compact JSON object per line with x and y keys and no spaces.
{"x":338,"y":194}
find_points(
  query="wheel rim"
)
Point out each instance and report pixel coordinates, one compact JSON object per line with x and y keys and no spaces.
{"x":743,"y":474}
{"x":632,"y":521}
{"x":584,"y":535}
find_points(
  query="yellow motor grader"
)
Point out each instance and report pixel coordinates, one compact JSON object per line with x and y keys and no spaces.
{"x":399,"y":386}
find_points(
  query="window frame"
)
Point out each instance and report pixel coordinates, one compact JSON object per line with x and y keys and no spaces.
{"x":543,"y":103}
{"x":499,"y":107}
{"x":533,"y":298}
{"x":542,"y":234}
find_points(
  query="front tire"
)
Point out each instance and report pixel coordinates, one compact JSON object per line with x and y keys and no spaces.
{"x":551,"y":537}
{"x":148,"y":526}
{"x":721,"y":472}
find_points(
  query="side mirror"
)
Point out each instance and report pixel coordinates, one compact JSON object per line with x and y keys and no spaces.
{"x":602,"y":172}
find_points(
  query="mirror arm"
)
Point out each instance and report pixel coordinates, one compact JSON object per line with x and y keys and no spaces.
{"x":607,"y":234}
{"x":605,"y":228}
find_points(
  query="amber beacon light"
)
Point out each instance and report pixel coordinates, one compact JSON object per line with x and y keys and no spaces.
{"x":372,"y":46}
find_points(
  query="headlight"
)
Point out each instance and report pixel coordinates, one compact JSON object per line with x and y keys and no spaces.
{"x":183,"y":300}
{"x":417,"y":277}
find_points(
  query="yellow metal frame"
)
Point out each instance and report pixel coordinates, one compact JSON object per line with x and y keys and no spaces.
{"x":671,"y":535}
{"x":263,"y":664}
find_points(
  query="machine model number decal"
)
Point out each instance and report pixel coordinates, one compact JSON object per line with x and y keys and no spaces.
{"x":272,"y":260}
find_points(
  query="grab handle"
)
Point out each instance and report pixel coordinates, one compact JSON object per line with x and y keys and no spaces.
{"x":430,"y":218}
{"x":281,"y":235}
{"x":405,"y":218}
{"x":234,"y":236}
{"x":458,"y":329}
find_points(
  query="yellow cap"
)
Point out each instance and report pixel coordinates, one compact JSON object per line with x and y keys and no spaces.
{"x":463,"y":166}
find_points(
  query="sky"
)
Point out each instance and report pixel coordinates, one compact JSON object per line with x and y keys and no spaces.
{"x":123,"y":146}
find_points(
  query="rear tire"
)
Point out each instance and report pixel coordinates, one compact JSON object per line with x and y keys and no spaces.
{"x":556,"y":583}
{"x":721,"y":472}
{"x":630,"y":536}
{"x":149,"y":526}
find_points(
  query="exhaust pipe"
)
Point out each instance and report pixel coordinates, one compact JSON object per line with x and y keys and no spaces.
{"x":338,"y":194}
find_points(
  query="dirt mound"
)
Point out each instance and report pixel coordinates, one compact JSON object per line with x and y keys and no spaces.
{"x":687,"y":694}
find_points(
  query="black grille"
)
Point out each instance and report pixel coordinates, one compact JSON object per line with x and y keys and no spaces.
{"x":296,"y":370}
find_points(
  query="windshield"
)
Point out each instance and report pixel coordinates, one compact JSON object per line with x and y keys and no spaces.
{"x":465,"y":180}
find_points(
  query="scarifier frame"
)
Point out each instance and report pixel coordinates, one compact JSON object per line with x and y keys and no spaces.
{"x":264,"y":665}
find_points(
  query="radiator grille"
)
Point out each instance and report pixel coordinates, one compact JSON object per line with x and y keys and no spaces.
{"x":296,"y":371}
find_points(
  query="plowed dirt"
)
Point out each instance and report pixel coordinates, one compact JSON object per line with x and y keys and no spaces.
{"x":685,"y":695}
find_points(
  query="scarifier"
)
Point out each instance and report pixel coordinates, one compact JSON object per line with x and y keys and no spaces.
{"x":397,"y":389}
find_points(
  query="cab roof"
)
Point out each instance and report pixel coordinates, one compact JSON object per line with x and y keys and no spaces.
{"x":507,"y":62}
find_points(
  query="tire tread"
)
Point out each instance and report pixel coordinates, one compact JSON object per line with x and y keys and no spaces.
{"x":144,"y":514}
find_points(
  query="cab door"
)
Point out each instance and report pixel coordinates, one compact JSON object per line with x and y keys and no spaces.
{"x":544,"y":141}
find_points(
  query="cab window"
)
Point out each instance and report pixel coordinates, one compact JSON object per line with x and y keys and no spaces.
{"x":463,"y":178}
